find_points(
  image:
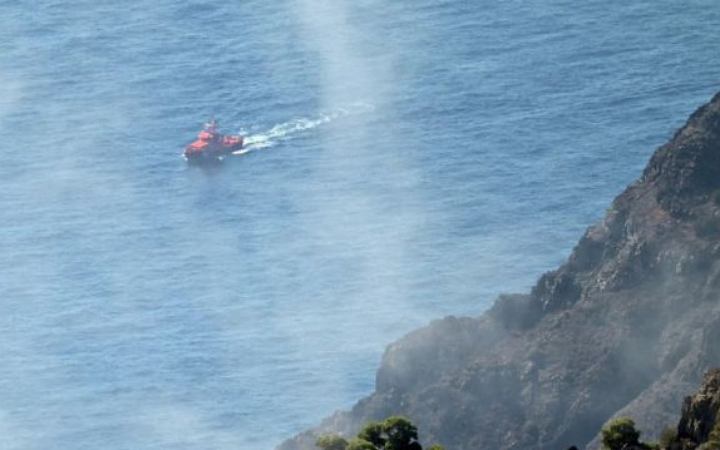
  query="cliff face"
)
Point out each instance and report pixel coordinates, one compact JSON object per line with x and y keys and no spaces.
{"x":625,"y":327}
{"x":700,"y":415}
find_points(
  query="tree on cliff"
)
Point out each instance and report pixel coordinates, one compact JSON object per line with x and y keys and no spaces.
{"x":360,"y":444}
{"x":621,"y":434}
{"x":332,"y":442}
{"x":394,"y":433}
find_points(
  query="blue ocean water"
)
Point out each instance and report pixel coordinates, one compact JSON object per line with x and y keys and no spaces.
{"x":410,"y":160}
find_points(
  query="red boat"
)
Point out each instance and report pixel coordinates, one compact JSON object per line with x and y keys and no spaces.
{"x":211,"y":146}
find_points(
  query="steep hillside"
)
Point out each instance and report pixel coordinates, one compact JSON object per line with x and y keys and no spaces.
{"x":627,"y":325}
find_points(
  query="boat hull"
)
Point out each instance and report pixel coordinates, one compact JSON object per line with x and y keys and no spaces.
{"x":211,"y":154}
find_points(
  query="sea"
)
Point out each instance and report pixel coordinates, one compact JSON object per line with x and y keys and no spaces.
{"x":407,"y":160}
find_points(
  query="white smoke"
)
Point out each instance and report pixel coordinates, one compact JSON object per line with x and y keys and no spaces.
{"x":346,"y":75}
{"x":356,"y":211}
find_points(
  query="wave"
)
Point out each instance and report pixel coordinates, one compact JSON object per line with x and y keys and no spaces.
{"x":296,"y":127}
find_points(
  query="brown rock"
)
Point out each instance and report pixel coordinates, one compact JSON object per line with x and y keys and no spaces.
{"x":626,"y":326}
{"x":700,"y":412}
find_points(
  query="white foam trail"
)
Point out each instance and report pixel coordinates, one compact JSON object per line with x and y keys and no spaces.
{"x":293,"y":128}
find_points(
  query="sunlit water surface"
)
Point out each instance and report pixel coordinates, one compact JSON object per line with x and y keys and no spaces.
{"x":410,"y":160}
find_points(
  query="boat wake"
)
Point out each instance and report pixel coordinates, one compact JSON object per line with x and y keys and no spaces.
{"x":294,"y":128}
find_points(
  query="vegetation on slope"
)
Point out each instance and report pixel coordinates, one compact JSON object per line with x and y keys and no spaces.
{"x":394,"y":433}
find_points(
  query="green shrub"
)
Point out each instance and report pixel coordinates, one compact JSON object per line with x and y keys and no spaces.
{"x":394,"y":433}
{"x":373,"y":432}
{"x":331,"y":442}
{"x":620,"y":433}
{"x":360,"y":444}
{"x":400,"y":433}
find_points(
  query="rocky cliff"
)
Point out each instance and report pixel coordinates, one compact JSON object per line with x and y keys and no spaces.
{"x":627,"y":326}
{"x":700,"y":419}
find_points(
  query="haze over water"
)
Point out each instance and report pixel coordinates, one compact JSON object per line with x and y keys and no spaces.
{"x":410,"y":160}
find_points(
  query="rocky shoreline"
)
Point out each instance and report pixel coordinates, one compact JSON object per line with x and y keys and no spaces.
{"x":626,"y":327}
